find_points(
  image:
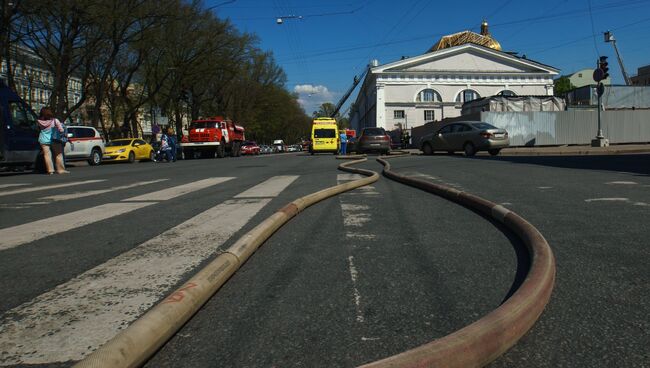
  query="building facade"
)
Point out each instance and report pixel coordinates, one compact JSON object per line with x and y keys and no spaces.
{"x":433,"y":86}
{"x":585,"y":77}
{"x":642,"y":77}
{"x":34,"y":82}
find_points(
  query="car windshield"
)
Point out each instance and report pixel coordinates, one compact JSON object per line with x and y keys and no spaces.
{"x":374,"y":131}
{"x":118,"y":142}
{"x":202,"y":124}
{"x":324,"y":133}
{"x":482,"y":125}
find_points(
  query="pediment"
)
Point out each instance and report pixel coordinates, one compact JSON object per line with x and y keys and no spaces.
{"x":466,"y":58}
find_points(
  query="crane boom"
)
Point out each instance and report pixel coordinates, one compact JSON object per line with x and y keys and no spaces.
{"x":609,"y":37}
{"x":349,"y":92}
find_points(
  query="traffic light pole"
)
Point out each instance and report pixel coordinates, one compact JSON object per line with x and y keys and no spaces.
{"x":600,"y":140}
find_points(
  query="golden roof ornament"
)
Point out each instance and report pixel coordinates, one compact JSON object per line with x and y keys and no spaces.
{"x":461,"y":38}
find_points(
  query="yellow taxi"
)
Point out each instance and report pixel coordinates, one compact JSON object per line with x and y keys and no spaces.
{"x":128,"y":149}
{"x":324,"y":136}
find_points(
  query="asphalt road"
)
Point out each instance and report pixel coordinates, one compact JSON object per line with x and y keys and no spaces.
{"x":352,"y":279}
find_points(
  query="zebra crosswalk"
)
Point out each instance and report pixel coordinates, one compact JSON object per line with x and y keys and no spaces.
{"x":71,"y":320}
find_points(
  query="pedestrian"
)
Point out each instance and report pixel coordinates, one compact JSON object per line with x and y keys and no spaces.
{"x":172,"y":142}
{"x":344,"y":142}
{"x":165,"y":147}
{"x":50,"y":137}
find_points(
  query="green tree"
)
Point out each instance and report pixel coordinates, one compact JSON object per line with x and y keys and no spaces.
{"x":561,"y":86}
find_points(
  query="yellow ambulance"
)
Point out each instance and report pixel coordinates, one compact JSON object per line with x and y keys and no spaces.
{"x":324,"y":136}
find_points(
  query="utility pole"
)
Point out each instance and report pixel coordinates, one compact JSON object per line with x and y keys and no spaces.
{"x":609,"y":37}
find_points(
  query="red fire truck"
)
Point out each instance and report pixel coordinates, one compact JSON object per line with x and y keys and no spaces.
{"x":213,"y":137}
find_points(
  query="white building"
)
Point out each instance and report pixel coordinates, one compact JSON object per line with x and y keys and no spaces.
{"x":585,"y":77}
{"x":433,"y":86}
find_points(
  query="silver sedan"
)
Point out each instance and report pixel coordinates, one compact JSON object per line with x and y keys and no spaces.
{"x":467,"y":136}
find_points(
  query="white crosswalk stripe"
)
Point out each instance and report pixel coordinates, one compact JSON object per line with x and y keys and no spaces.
{"x":3,"y":186}
{"x":75,"y":318}
{"x":48,"y":187}
{"x":25,"y":233}
{"x":77,"y":195}
{"x":269,"y":188}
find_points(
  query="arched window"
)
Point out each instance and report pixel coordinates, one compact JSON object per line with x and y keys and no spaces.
{"x":467,"y":95}
{"x":506,"y":92}
{"x":428,"y":95}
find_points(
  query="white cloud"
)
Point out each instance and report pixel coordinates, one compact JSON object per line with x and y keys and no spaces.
{"x":310,"y":97}
{"x":313,"y":90}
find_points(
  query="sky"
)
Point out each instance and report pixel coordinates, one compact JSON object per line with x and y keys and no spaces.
{"x":322,"y":45}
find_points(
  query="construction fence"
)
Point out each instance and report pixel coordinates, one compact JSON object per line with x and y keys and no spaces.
{"x":550,"y":128}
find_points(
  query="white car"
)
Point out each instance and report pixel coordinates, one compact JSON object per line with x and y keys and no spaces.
{"x":84,"y":143}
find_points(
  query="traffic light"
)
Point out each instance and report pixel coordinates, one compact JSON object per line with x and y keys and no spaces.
{"x":602,"y":65}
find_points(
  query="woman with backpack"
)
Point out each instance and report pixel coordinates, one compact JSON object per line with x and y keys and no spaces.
{"x":51,"y":137}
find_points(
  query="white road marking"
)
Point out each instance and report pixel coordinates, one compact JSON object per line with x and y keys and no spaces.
{"x":25,"y":233}
{"x":348,"y":177}
{"x":75,"y":318}
{"x":621,"y":183}
{"x":607,"y":200}
{"x":2,"y":186}
{"x":48,"y":187}
{"x":544,"y":187}
{"x":65,"y":197}
{"x":179,"y":190}
{"x":269,"y":188}
{"x":29,"y":232}
{"x":355,"y":216}
{"x":357,"y":295}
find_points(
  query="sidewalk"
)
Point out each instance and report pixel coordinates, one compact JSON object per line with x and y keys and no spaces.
{"x":617,"y":149}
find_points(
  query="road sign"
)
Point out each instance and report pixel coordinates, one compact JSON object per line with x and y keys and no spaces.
{"x":598,"y":74}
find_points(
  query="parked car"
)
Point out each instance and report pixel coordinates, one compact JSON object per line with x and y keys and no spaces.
{"x":265,"y":149}
{"x":128,"y":149}
{"x":84,"y":143}
{"x":294,"y":148}
{"x":373,"y":139}
{"x":467,"y":136}
{"x":250,"y":148}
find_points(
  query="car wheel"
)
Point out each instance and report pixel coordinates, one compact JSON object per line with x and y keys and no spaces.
{"x":131,"y":157}
{"x":469,"y":149}
{"x":95,"y":157}
{"x":494,"y":152}
{"x":427,"y":149}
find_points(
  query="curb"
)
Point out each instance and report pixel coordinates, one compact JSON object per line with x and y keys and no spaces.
{"x":481,"y":342}
{"x":138,"y":342}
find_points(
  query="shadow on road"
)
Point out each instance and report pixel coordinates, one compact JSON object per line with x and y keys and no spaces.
{"x":634,"y":163}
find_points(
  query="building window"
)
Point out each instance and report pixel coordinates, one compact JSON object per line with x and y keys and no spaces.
{"x":506,"y":92}
{"x":429,"y":115}
{"x":398,"y":114}
{"x":428,"y":95}
{"x":467,"y":95}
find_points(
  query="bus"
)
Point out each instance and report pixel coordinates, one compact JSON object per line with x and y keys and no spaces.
{"x":324,"y":136}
